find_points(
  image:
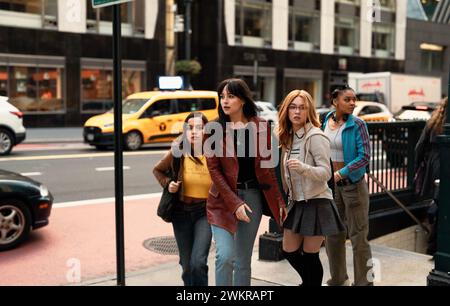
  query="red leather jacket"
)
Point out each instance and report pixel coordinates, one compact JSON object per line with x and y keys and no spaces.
{"x":223,"y":200}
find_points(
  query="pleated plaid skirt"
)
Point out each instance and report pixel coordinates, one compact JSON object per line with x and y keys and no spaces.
{"x":315,"y":217}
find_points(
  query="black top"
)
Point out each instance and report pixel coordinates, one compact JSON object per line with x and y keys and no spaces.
{"x":245,"y":156}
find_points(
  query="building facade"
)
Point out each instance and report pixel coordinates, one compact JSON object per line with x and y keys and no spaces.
{"x":428,"y":40}
{"x":56,"y":56}
{"x":280,"y":45}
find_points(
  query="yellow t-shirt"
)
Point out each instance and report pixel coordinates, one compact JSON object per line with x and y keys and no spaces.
{"x":196,"y":178}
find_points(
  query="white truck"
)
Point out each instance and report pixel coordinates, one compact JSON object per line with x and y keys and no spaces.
{"x":394,"y":89}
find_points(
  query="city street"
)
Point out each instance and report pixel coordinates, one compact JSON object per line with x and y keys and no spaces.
{"x":75,"y":172}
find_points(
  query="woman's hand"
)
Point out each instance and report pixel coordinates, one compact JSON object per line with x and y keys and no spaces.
{"x":174,"y":186}
{"x":241,"y":213}
{"x":337,"y":177}
{"x":295,"y":165}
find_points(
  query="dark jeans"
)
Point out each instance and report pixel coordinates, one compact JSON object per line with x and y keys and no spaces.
{"x":193,"y":236}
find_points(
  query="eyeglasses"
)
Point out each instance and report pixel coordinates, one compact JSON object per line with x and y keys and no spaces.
{"x":293,"y":108}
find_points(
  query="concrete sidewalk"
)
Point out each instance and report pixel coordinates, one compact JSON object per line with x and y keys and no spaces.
{"x":394,"y":268}
{"x":51,"y":135}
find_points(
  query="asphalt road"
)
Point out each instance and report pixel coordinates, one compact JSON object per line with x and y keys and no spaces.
{"x":77,"y":172}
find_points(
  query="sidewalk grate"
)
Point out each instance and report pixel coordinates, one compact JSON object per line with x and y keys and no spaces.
{"x":165,"y":245}
{"x":162,"y":245}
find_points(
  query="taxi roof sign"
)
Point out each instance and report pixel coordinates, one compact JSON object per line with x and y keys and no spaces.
{"x":103,"y":3}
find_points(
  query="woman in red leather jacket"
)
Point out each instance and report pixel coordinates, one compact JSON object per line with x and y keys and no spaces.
{"x":243,"y":184}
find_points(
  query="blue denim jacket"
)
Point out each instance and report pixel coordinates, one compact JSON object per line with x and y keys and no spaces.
{"x":356,"y":146}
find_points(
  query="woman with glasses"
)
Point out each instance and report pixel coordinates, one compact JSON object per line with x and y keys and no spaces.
{"x":306,"y":170}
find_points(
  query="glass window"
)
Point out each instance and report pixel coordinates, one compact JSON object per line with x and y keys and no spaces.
{"x":97,"y":87}
{"x":383,"y":40}
{"x":254,"y":20}
{"x":106,"y":13}
{"x":23,"y":6}
{"x":387,"y":4}
{"x":160,"y":108}
{"x":347,"y":24}
{"x":208,"y":104}
{"x":3,"y":81}
{"x":346,"y":36}
{"x":432,"y":61}
{"x":36,"y":89}
{"x":367,"y":110}
{"x":132,"y":106}
{"x":304,"y":30}
{"x":188,"y":105}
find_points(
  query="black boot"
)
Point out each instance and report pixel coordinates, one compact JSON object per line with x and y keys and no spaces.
{"x":296,"y":260}
{"x":313,"y":269}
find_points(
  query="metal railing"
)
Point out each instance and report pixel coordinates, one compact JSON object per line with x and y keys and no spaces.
{"x":392,"y":154}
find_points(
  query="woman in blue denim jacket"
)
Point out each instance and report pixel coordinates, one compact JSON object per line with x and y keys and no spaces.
{"x":350,"y":154}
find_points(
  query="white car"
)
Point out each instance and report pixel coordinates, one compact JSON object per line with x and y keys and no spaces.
{"x":12,"y":131}
{"x":267,"y":111}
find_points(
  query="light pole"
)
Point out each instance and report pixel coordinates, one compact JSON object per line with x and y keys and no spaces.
{"x":440,"y":275}
{"x":187,"y":35}
{"x":187,"y":28}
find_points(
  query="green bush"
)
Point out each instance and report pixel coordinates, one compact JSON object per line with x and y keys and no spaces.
{"x":190,"y":67}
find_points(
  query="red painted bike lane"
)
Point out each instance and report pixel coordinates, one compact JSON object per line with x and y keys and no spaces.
{"x":84,"y":237}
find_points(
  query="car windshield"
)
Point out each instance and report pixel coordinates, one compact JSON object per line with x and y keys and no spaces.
{"x":131,"y":106}
{"x":410,"y":114}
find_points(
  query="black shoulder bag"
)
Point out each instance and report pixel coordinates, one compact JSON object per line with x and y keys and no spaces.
{"x":169,"y":200}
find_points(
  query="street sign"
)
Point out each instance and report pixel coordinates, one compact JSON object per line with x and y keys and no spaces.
{"x":102,"y":3}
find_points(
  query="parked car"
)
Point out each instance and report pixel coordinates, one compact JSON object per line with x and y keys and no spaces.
{"x":372,"y":111}
{"x":24,"y":205}
{"x":416,"y":111}
{"x":267,"y":111}
{"x":150,"y":117}
{"x":368,"y":111}
{"x":12,"y":131}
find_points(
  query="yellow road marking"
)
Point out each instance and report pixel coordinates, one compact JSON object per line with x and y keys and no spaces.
{"x":74,"y":156}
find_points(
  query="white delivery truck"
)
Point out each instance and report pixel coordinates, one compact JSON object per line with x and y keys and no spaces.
{"x":396,"y":90}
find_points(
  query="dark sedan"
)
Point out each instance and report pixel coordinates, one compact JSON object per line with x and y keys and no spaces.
{"x":24,"y":205}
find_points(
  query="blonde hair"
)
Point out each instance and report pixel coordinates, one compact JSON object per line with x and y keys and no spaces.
{"x":436,"y":122}
{"x":284,"y":124}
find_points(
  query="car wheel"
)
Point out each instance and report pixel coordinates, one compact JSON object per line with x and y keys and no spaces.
{"x":133,"y":141}
{"x":6,"y":142}
{"x":15,"y":223}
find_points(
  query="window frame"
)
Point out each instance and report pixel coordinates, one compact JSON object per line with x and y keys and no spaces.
{"x":35,"y":61}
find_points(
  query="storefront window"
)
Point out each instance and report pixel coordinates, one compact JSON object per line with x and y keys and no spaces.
{"x":34,"y":89}
{"x":97,"y":88}
{"x":254,"y":22}
{"x":3,"y":81}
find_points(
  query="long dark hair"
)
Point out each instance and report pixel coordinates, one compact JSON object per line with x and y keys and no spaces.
{"x":241,"y":90}
{"x":184,"y":136}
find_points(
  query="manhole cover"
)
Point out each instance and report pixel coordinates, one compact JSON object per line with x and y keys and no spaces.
{"x":165,"y":245}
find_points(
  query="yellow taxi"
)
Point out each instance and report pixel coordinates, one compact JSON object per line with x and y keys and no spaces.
{"x":150,"y":117}
{"x":372,"y":111}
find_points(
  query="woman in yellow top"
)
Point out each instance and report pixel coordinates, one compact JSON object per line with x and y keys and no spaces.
{"x":190,"y":226}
